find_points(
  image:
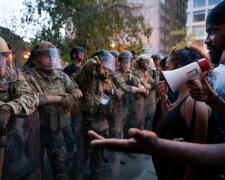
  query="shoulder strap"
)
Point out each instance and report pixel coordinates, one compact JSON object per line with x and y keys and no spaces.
{"x":191,"y":130}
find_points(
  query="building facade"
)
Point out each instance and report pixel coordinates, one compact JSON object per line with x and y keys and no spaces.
{"x":164,"y":16}
{"x":197,"y":12}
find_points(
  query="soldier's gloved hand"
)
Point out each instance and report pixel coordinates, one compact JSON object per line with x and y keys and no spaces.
{"x":5,"y":112}
{"x":78,"y":94}
{"x":68,"y":100}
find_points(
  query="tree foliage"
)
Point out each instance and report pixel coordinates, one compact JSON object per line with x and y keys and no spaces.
{"x":186,"y":40}
{"x":17,"y":42}
{"x":93,"y":24}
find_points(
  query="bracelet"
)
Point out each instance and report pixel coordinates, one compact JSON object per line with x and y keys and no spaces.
{"x":215,"y":99}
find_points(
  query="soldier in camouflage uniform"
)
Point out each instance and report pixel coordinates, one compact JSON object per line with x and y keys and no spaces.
{"x":126,"y":84}
{"x":93,"y":81}
{"x":142,"y":73}
{"x":57,"y":94}
{"x":132,"y":85}
{"x":16,"y":99}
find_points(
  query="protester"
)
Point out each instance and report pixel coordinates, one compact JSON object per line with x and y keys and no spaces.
{"x":185,"y":119}
{"x":193,"y":154}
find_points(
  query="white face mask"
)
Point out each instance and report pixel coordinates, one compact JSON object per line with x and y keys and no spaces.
{"x":104,"y":100}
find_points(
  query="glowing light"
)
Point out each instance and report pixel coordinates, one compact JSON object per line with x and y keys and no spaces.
{"x":28,"y":53}
{"x":26,"y":56}
{"x":113,"y":45}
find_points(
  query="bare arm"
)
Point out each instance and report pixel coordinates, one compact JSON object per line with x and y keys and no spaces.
{"x":146,"y":142}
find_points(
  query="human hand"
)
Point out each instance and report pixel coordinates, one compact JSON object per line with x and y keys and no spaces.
{"x":162,"y":89}
{"x":141,"y":141}
{"x":78,"y":94}
{"x":201,"y":90}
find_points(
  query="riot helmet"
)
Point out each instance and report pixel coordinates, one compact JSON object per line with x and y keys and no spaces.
{"x":46,"y":56}
{"x":77,"y":52}
{"x":124,"y":59}
{"x":143,"y":62}
{"x":114,"y":53}
{"x":106,"y":58}
{"x":157,"y":58}
{"x":7,"y":65}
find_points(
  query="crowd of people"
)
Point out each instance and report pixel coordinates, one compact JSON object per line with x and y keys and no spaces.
{"x":196,"y":116}
{"x":68,"y":113}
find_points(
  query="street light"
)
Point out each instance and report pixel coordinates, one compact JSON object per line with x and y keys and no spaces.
{"x":113,"y":45}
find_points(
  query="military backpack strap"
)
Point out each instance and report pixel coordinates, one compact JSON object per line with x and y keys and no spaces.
{"x":36,"y":77}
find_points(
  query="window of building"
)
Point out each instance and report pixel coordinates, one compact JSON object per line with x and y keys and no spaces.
{"x":167,"y":37}
{"x":146,"y":12}
{"x":199,"y":16}
{"x":199,"y":3}
{"x":162,"y":35}
{"x":213,"y":2}
{"x":152,"y":1}
{"x":163,"y":1}
{"x":199,"y":30}
{"x":167,"y":49}
{"x":147,"y":1}
{"x":162,"y":12}
{"x":167,"y":27}
{"x":139,"y":1}
{"x":162,"y":47}
{"x":151,"y":22}
{"x":151,"y":11}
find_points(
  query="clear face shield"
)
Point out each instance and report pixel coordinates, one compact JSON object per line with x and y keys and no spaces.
{"x":49,"y":59}
{"x":108,"y":61}
{"x":7,"y":66}
{"x":151,"y":64}
{"x":125,"y":64}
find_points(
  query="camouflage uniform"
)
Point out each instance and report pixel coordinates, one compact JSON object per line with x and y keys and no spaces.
{"x":54,"y":118}
{"x":19,"y":96}
{"x":95,"y":115}
{"x":140,"y":102}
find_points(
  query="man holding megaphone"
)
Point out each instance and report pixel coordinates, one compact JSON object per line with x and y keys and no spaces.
{"x":211,"y":155}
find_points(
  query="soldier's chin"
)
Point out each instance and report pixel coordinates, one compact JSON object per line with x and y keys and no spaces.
{"x":49,"y":69}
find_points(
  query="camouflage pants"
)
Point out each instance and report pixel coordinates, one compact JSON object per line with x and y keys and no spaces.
{"x":116,"y":131}
{"x":93,"y":122}
{"x":54,"y":144}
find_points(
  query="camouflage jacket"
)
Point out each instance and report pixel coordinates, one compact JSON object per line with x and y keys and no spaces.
{"x":145,"y":78}
{"x":19,"y":96}
{"x":126,"y":81}
{"x":95,"y":85}
{"x":59,"y":83}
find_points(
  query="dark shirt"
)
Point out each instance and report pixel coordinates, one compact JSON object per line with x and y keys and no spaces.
{"x":71,"y":69}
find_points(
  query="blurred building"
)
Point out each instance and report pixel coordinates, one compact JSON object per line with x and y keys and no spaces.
{"x":164,"y":16}
{"x":197,"y":12}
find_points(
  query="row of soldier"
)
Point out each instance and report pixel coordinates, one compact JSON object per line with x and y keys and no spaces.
{"x":58,"y":109}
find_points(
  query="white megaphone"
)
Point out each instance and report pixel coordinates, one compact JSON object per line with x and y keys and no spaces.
{"x":177,"y":77}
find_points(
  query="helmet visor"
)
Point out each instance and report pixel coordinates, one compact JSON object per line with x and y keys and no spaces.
{"x":50,"y":59}
{"x":125,"y":64}
{"x":7,"y":66}
{"x":108,"y":61}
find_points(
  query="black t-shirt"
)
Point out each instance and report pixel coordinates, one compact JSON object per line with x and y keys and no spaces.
{"x":71,"y":69}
